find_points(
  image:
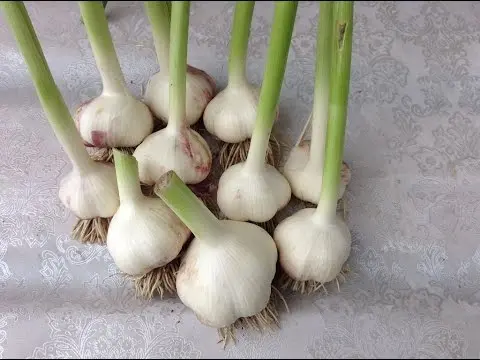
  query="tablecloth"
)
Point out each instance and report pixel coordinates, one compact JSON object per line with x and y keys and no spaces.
{"x":413,"y":204}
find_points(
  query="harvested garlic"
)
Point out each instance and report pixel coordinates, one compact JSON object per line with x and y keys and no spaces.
{"x":227,"y":271}
{"x":200,"y":87}
{"x":115,"y":118}
{"x":144,"y":233}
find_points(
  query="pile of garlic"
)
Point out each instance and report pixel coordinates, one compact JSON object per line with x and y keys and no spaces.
{"x":222,"y":262}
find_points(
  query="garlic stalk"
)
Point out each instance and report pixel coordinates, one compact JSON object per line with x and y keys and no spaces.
{"x":200,"y":87}
{"x":176,"y":147}
{"x":227,"y":271}
{"x":314,"y":244}
{"x":144,"y":233}
{"x":253,"y":190}
{"x":304,"y":166}
{"x":115,"y":118}
{"x":90,"y":189}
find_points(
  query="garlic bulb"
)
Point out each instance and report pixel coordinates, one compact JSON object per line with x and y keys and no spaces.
{"x":184,"y":151}
{"x":90,"y":191}
{"x":305,"y":174}
{"x":228,"y":268}
{"x":114,"y":120}
{"x":199,"y":91}
{"x":310,"y":248}
{"x":230,"y":116}
{"x":252,"y":194}
{"x":144,"y":233}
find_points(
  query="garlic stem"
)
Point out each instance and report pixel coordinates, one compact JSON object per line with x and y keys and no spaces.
{"x":338,"y":109}
{"x":190,"y":209}
{"x":96,"y":25}
{"x":53,"y":104}
{"x":126,"y":168}
{"x":158,"y":13}
{"x":178,"y":64}
{"x":322,"y":85}
{"x":242,"y":21}
{"x":280,"y":38}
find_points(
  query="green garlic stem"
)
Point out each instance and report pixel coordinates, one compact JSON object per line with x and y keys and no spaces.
{"x":280,"y":38}
{"x":96,"y":25}
{"x":178,"y":64}
{"x":237,"y":61}
{"x":322,"y":85}
{"x":338,"y":107}
{"x":189,"y":208}
{"x":53,"y":104}
{"x":158,"y":13}
{"x":126,"y":168}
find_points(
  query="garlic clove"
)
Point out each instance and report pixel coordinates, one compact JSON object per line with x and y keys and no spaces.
{"x":184,"y":151}
{"x":230,"y":116}
{"x":145,"y":234}
{"x":92,"y":193}
{"x":200,"y":90}
{"x":257,"y":196}
{"x":114,"y":120}
{"x":305,"y":178}
{"x":310,"y":249}
{"x":232,"y":280}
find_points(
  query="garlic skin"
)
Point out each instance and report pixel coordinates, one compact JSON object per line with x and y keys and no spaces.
{"x":184,"y":151}
{"x":145,"y":234}
{"x":305,"y":178}
{"x":312,"y":249}
{"x":252,"y":195}
{"x":228,"y":277}
{"x":230,"y":116}
{"x":91,"y":193}
{"x":199,"y":91}
{"x":114,"y":120}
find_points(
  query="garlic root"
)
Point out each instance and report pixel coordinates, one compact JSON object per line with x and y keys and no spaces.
{"x":267,"y":319}
{"x":159,"y":281}
{"x":91,"y":231}
{"x":231,"y":154}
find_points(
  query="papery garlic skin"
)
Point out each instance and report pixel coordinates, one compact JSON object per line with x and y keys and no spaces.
{"x":247,"y":195}
{"x":311,"y":249}
{"x":230,"y":116}
{"x":145,"y":234}
{"x":200,"y":90}
{"x":92,"y":192}
{"x":114,"y":120}
{"x":184,"y":151}
{"x":305,"y":177}
{"x":229,"y":277}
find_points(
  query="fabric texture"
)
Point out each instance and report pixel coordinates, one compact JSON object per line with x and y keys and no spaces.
{"x":413,"y":204}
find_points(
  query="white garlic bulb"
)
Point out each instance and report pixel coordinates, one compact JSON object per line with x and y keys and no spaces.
{"x":90,"y":191}
{"x":231,"y":114}
{"x":304,"y":174}
{"x":311,"y":247}
{"x":247,"y":194}
{"x":114,"y":120}
{"x":184,"y":151}
{"x":228,"y":275}
{"x":200,"y":89}
{"x":144,"y":233}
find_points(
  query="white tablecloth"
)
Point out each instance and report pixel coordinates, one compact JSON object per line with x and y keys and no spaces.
{"x":413,"y":145}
